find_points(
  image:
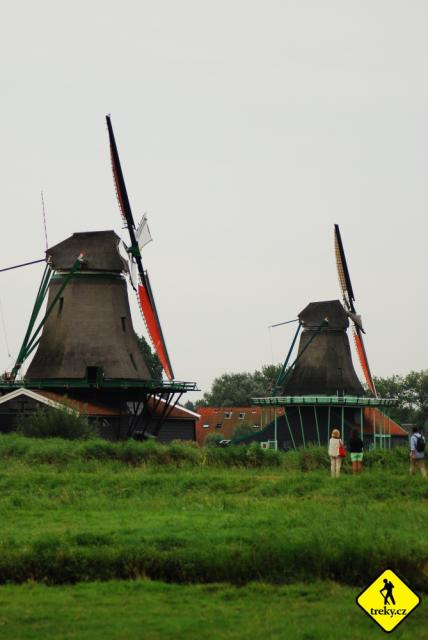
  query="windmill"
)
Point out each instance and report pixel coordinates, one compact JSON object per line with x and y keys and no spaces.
{"x":348,"y":301}
{"x":320,"y":388}
{"x":85,"y":345}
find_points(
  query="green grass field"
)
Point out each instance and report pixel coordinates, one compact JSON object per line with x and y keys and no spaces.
{"x":218,"y":544}
{"x":155,"y":610}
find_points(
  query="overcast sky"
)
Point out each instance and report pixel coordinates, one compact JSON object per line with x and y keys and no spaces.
{"x":246,"y":130}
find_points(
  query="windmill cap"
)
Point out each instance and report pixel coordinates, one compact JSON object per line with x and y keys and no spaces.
{"x":99,"y":248}
{"x":317,"y":313}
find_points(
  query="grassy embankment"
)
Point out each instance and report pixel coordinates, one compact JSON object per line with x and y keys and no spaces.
{"x":72,"y":512}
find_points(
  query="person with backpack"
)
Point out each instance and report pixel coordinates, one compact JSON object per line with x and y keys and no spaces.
{"x":417,"y":452}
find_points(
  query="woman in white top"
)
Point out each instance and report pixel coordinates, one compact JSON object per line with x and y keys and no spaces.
{"x":333,"y":452}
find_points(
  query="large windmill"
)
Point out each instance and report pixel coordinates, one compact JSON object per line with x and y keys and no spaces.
{"x":84,"y":344}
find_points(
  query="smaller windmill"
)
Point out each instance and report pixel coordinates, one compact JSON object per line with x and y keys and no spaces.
{"x":348,"y":301}
{"x":321,"y":389}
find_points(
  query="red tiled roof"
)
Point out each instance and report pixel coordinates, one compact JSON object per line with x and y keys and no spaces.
{"x":96,"y":409}
{"x":224,"y":420}
{"x":382,"y":423}
{"x":86,"y":408}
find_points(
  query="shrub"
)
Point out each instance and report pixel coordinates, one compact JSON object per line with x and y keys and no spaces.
{"x":212,"y":439}
{"x":313,"y":458}
{"x":55,"y":423}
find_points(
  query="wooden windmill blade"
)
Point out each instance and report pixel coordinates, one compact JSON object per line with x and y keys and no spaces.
{"x":342,"y":271}
{"x":349,"y":299}
{"x":145,"y":295}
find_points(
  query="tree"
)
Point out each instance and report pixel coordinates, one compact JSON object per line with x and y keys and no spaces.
{"x":237,"y":389}
{"x":151,"y":359}
{"x":411,"y":392}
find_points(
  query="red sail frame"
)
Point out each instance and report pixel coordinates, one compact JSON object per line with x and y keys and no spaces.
{"x":145,"y":295}
{"x":359,"y":344}
{"x":151,"y":322}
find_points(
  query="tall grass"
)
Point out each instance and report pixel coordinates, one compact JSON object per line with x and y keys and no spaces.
{"x":61,"y":452}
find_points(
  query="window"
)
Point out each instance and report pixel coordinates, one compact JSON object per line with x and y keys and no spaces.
{"x":123,"y":321}
{"x":242,"y":415}
{"x":60,"y":305}
{"x":133,"y":361}
{"x":205,"y":426}
{"x":227,"y":415}
{"x":218,"y":425}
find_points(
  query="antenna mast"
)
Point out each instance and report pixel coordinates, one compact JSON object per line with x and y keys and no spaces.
{"x":44,"y":220}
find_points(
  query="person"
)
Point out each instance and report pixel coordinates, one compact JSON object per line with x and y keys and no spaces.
{"x":356,"y":450}
{"x":417,"y":453}
{"x":333,"y":452}
{"x":388,"y":587}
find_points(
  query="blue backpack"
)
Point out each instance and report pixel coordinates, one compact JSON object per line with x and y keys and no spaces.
{"x":420,"y":444}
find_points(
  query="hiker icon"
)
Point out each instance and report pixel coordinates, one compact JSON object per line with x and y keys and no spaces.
{"x":388,"y":587}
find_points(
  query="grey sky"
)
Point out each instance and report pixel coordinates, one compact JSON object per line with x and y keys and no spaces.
{"x":246,"y":130}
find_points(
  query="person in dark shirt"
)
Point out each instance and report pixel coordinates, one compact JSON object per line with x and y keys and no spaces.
{"x":356,"y":446}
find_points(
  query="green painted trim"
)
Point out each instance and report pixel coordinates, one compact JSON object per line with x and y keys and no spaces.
{"x":77,"y":383}
{"x":98,"y":275}
{"x":41,"y":294}
{"x":353,"y":401}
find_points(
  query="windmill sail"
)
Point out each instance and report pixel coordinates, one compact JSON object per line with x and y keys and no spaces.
{"x":342,"y":271}
{"x":349,"y":299}
{"x":145,"y":295}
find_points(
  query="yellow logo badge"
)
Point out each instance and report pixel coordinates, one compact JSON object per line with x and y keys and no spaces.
{"x":388,"y":600}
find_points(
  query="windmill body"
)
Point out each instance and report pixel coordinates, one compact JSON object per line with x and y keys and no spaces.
{"x":90,"y":331}
{"x":325,"y":366}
